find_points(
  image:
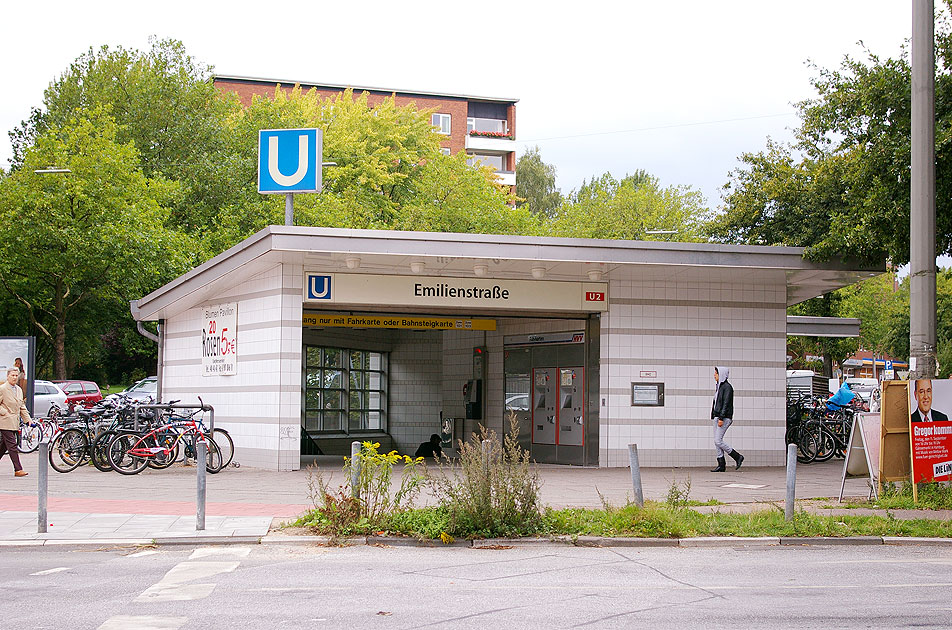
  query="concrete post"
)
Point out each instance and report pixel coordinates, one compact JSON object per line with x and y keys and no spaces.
{"x":43,"y":479}
{"x":636,"y":475}
{"x":355,"y":469}
{"x":922,"y":306}
{"x":201,"y":454}
{"x":485,"y":447}
{"x":791,"y":481}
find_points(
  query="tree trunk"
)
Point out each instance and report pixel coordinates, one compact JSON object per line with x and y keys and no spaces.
{"x":59,"y":336}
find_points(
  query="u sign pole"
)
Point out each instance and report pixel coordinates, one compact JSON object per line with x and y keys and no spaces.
{"x":289,"y":209}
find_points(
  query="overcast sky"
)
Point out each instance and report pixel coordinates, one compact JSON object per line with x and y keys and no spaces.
{"x":679,"y":89}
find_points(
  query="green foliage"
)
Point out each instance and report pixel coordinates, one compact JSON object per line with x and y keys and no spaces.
{"x":679,"y":493}
{"x":932,"y":496}
{"x":89,"y":238}
{"x":426,"y":523}
{"x":165,"y":104}
{"x":493,"y":492}
{"x":842,"y":188}
{"x":535,"y":183}
{"x":342,"y":512}
{"x":628,"y":208}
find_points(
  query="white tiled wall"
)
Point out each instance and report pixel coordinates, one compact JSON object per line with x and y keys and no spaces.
{"x":260,"y":405}
{"x":681,"y":331}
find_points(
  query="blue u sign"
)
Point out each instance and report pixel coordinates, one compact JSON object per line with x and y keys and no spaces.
{"x":289,"y":160}
{"x":318,"y":287}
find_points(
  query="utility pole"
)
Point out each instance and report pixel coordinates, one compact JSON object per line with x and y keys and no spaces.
{"x":922,"y":307}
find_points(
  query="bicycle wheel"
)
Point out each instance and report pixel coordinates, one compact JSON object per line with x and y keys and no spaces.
{"x":100,"y":448}
{"x":119,"y":455}
{"x":170,"y":442}
{"x":806,"y":447}
{"x":213,"y":460}
{"x":826,"y":446}
{"x":225,"y":444}
{"x":68,"y":450}
{"x":30,"y":437}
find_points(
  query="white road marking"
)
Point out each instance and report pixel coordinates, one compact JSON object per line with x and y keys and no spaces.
{"x":139,"y":554}
{"x":128,"y":622}
{"x":174,"y":587}
{"x":745,"y":486}
{"x":50,"y":571}
{"x":205,"y":552}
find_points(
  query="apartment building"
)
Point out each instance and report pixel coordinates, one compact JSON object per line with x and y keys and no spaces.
{"x":483,"y":127}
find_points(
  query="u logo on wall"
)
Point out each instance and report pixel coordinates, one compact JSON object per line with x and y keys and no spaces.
{"x":318,"y":287}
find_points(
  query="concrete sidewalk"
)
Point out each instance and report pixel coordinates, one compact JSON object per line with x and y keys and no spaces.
{"x":160,"y":504}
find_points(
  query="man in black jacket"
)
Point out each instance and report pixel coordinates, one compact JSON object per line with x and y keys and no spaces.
{"x":722,"y":413}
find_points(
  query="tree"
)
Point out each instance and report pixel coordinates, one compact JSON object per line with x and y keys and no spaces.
{"x":842,"y":188}
{"x":389,"y":171}
{"x":628,"y":209}
{"x":87,"y":239}
{"x":535,"y":183}
{"x":165,"y":103}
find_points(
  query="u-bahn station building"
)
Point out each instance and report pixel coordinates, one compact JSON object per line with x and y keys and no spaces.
{"x":305,"y":339}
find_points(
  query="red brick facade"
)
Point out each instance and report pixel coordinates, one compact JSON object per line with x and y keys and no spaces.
{"x":456,"y":106}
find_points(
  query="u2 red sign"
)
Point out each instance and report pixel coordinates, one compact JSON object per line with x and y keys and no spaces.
{"x":594,"y":296}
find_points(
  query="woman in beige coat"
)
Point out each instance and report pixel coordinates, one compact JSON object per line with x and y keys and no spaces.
{"x":12,"y":408}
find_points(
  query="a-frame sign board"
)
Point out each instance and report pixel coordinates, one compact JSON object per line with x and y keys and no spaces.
{"x":862,"y":458}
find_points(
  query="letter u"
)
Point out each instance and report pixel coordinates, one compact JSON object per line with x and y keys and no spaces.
{"x":275,"y":172}
{"x":324,"y":290}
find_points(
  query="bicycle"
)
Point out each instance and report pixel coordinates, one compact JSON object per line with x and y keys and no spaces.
{"x":129,"y":453}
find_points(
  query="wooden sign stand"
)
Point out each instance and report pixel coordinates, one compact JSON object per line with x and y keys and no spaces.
{"x":895,"y":452}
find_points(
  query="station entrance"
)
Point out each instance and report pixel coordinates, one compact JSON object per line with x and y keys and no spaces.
{"x":398,"y":379}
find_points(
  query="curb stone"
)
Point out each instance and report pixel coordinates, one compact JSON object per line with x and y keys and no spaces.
{"x":903,"y":540}
{"x":403,"y":541}
{"x":831,"y":540}
{"x":729,"y":541}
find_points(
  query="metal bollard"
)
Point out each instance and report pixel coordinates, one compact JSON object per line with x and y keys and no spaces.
{"x":43,"y":483}
{"x":201,"y":455}
{"x":355,"y":469}
{"x":485,"y":447}
{"x":791,"y":481}
{"x":636,"y":475}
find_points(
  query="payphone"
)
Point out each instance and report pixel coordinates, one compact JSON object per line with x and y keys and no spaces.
{"x":473,"y":399}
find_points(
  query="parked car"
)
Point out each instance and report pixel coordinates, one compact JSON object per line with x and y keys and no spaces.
{"x":141,"y":390}
{"x":45,"y":394}
{"x":85,"y":393}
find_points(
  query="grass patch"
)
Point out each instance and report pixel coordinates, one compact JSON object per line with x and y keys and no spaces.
{"x":655,"y":520}
{"x":932,"y":496}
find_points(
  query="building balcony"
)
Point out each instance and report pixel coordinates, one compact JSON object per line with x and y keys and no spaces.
{"x":506,"y":178}
{"x":486,"y":143}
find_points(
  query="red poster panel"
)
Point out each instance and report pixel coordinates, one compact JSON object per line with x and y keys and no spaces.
{"x":930,"y":429}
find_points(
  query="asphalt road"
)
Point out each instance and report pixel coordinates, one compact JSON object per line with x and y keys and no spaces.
{"x":271,"y":586}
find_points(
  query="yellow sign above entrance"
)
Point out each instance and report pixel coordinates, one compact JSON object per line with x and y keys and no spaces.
{"x":341,"y":320}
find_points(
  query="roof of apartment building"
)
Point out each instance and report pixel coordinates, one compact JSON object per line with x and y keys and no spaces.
{"x":359,"y":88}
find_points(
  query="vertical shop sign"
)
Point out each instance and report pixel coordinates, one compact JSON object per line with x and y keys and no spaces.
{"x":220,"y":340}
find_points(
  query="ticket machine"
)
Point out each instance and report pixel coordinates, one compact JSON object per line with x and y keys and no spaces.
{"x":571,"y":414}
{"x":544,"y":405}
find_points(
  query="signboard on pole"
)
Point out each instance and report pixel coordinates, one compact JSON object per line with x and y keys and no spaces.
{"x":930,"y":430}
{"x":289,"y":161}
{"x":220,"y":340}
{"x":24,"y":349}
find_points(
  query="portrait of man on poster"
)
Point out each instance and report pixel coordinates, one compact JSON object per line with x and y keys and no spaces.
{"x":923,"y":397}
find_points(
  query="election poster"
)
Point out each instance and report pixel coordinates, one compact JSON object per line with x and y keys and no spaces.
{"x":930,"y":430}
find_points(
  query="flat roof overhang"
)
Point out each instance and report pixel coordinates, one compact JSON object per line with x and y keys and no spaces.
{"x":505,"y":257}
{"x":804,"y":326}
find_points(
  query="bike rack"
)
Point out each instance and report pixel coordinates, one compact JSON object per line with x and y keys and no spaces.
{"x":200,"y":482}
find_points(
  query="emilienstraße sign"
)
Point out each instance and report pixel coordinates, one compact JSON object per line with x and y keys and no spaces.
{"x":442,"y":292}
{"x":220,"y":339}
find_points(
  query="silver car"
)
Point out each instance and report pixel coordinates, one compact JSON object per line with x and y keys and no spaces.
{"x":45,"y":394}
